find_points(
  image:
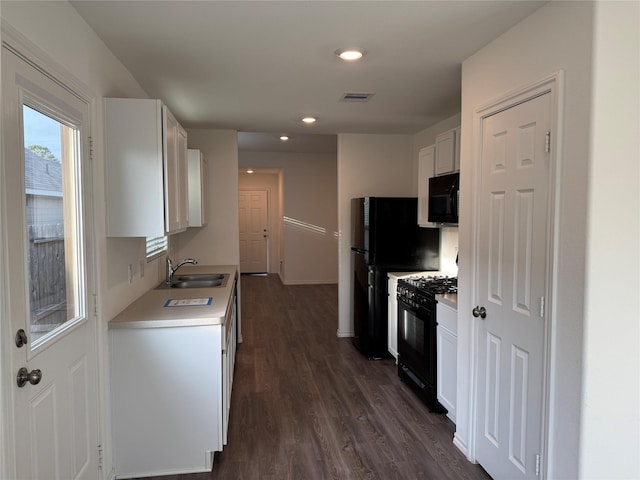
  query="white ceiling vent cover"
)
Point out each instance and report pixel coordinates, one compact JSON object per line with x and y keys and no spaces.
{"x":356,"y":97}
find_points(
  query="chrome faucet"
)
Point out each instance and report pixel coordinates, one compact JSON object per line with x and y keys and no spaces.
{"x":171,"y":269}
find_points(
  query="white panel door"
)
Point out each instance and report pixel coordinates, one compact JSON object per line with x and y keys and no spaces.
{"x":46,"y":221}
{"x":254,"y":232}
{"x":512,"y":284}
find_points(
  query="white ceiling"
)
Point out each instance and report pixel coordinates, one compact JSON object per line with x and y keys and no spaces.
{"x":260,"y":66}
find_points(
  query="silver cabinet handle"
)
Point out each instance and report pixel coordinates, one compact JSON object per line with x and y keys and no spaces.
{"x":479,"y":312}
{"x":24,"y":376}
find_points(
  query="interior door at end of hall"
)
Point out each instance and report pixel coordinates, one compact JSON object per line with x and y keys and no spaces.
{"x":47,"y":221}
{"x":512,"y":284}
{"x":254,"y":232}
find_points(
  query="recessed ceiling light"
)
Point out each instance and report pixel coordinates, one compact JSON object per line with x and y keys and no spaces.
{"x":249,"y":171}
{"x":309,"y":120}
{"x":284,"y":138}
{"x":350,"y":54}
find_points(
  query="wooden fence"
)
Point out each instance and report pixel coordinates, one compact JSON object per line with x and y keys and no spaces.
{"x":47,"y":278}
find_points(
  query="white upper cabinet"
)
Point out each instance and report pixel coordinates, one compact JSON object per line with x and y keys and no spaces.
{"x":447,"y":152}
{"x":426,"y":161}
{"x":197,"y":189}
{"x":146,"y":162}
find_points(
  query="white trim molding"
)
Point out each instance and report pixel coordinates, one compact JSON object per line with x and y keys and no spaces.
{"x":553,"y":84}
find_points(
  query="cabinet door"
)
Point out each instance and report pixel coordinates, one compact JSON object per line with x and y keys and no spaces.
{"x":165,"y":380}
{"x":171,"y":172}
{"x":183,"y":182}
{"x":134,"y":149}
{"x":228,"y":367}
{"x":426,"y":160}
{"x":445,"y":152}
{"x":447,"y":370}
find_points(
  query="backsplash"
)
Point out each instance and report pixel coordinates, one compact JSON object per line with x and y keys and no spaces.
{"x":448,"y":249}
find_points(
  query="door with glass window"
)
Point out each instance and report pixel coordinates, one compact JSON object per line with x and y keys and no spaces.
{"x":47,"y":234}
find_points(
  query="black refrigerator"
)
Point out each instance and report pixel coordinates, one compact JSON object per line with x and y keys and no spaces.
{"x":385,"y":237}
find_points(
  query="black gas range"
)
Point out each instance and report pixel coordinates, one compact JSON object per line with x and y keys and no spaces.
{"x":411,"y":287}
{"x":417,"y":346}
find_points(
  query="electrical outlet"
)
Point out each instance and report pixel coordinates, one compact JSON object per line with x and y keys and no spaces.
{"x":130,"y":273}
{"x":141,"y":265}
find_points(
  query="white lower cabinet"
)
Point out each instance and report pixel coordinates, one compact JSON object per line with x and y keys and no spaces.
{"x":447,"y":347}
{"x":166,"y":399}
{"x":170,"y":396}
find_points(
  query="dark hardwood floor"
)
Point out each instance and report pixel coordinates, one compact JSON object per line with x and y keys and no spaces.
{"x":308,"y":405}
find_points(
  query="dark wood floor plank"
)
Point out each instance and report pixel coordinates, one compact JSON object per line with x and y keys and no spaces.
{"x":307,"y":405}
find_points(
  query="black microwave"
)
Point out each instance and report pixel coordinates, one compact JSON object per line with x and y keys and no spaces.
{"x":444,"y":197}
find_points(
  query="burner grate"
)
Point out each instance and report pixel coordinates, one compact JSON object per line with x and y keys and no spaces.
{"x":434,"y":284}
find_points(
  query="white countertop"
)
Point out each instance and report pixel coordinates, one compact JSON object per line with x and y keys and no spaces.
{"x":149,"y":310}
{"x":448,"y":299}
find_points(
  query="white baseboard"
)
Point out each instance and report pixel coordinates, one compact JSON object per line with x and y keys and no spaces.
{"x":393,"y":353}
{"x":180,"y":472}
{"x":310,"y":282}
{"x":462,"y":446}
{"x":343,"y":334}
{"x":111,"y":475}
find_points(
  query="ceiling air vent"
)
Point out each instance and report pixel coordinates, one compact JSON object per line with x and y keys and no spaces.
{"x":357,"y":97}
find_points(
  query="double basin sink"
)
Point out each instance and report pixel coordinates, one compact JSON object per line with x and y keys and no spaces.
{"x":205,"y":280}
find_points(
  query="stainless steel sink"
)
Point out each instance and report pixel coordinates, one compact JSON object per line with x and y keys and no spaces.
{"x":204,"y":276}
{"x":213,"y":280}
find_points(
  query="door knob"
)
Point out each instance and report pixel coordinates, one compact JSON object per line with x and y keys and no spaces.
{"x":24,"y":376}
{"x":479,"y":312}
{"x":21,"y":338}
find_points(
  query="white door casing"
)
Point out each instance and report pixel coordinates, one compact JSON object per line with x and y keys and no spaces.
{"x":54,"y":423}
{"x":254,"y":230}
{"x":513,"y":281}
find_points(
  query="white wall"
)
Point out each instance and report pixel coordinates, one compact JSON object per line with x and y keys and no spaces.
{"x":271,"y":183}
{"x":217,"y":243}
{"x":56,"y":29}
{"x":368,"y":165}
{"x":310,"y":251}
{"x":610,"y":404}
{"x":559,"y":36}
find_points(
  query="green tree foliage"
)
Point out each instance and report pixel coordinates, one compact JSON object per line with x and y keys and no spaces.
{"x":43,"y":152}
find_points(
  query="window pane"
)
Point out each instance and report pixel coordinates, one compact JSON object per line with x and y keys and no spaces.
{"x":51,"y":159}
